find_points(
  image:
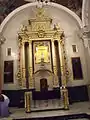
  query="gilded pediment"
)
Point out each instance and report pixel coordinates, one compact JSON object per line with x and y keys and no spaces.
{"x":40,"y":27}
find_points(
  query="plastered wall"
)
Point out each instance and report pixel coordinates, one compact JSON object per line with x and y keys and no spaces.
{"x":66,"y":21}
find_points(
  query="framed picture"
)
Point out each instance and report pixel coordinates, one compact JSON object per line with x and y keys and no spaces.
{"x":8,"y":52}
{"x":8,"y":71}
{"x":41,"y":51}
{"x":74,"y":48}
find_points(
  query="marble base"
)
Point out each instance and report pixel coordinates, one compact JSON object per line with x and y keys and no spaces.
{"x":79,"y":109}
{"x":46,"y":104}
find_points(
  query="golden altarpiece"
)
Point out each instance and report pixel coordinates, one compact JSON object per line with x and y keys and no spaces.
{"x":42,"y":60}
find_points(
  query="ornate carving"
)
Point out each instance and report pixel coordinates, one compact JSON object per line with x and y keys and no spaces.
{"x":27,"y":98}
{"x":31,"y":77}
{"x":39,"y":28}
{"x":2,"y":39}
{"x":19,"y":77}
{"x":41,"y":34}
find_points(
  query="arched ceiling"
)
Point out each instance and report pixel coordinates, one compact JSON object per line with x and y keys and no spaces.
{"x":7,"y":6}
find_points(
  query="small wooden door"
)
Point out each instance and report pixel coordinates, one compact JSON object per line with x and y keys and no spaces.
{"x":43,"y":84}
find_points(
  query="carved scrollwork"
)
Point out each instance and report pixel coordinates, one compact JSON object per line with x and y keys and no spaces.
{"x":19,"y":77}
{"x":55,"y":70}
{"x":39,"y":28}
{"x":41,"y":33}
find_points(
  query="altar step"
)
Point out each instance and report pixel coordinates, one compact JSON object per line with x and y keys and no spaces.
{"x":79,"y":116}
{"x":42,"y":105}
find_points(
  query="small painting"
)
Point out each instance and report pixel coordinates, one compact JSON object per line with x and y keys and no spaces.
{"x":8,"y":51}
{"x":42,"y":51}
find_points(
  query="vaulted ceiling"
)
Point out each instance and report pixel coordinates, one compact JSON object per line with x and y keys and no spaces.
{"x":7,"y":6}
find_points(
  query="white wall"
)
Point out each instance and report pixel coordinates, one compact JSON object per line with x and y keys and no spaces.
{"x":67,"y":20}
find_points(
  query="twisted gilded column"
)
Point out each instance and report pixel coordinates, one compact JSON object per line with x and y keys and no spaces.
{"x":23,"y":66}
{"x":19,"y":73}
{"x":30,"y":66}
{"x":54,"y":64}
{"x":27,"y":97}
{"x":64,"y":91}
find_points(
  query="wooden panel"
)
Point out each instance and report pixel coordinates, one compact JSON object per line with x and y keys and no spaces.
{"x":8,"y":71}
{"x":78,"y":94}
{"x":77,"y":68}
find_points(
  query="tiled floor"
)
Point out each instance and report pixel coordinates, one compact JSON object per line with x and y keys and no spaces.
{"x":76,"y":108}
